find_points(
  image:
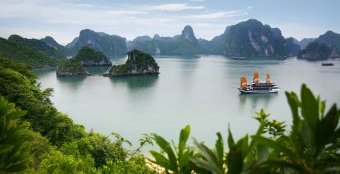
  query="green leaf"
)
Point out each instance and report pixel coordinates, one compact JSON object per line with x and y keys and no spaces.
{"x":219,"y":146}
{"x":165,"y":146}
{"x":161,"y":160}
{"x":235,"y":160}
{"x":183,"y":138}
{"x":276,"y":146}
{"x":231,"y":141}
{"x":326,"y":129}
{"x":310,"y":107}
{"x":209,"y":157}
{"x":293,"y":102}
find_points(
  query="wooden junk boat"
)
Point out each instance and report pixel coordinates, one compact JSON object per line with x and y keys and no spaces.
{"x":257,"y":87}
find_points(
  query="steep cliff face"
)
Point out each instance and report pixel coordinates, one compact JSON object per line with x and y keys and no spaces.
{"x":110,"y":45}
{"x":188,"y":34}
{"x":326,"y":46}
{"x":253,"y":39}
{"x":138,"y":63}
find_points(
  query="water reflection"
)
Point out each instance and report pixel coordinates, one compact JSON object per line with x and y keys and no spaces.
{"x":254,"y":100}
{"x":136,"y":82}
{"x":98,"y":70}
{"x":72,"y":82}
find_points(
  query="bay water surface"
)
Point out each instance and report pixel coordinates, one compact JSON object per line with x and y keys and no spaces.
{"x":200,"y":91}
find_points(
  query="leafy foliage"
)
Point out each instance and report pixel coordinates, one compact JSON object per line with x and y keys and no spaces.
{"x":138,"y":62}
{"x":13,"y":153}
{"x":38,"y":46}
{"x":174,"y":159}
{"x":89,"y":54}
{"x":56,"y":144}
{"x":24,"y":54}
{"x":71,"y":67}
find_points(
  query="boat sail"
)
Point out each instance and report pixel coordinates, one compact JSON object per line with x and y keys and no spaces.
{"x":258,"y":87}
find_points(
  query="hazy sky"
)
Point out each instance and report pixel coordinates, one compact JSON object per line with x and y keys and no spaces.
{"x":64,"y":19}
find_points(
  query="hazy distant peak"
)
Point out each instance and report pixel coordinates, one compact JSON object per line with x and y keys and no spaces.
{"x":188,"y":34}
{"x":156,"y":36}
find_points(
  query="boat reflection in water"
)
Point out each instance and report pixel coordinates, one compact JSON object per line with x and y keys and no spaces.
{"x":258,"y":87}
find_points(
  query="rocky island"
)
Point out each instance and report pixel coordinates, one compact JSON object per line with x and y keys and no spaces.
{"x":90,"y":57}
{"x":138,"y":63}
{"x":71,"y":68}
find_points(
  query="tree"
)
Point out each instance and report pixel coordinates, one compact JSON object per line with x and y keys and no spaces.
{"x":13,"y":153}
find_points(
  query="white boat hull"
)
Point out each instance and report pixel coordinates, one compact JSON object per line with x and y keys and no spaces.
{"x":249,"y":91}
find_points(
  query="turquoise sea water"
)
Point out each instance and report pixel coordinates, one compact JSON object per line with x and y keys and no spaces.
{"x":200,"y":91}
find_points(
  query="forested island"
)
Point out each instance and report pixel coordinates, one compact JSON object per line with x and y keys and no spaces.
{"x":138,"y":63}
{"x":84,"y":58}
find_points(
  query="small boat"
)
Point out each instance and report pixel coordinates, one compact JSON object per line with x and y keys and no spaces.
{"x":257,"y":87}
{"x":327,"y":64}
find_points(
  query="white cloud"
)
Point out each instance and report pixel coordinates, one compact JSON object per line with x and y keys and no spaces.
{"x":64,"y":20}
{"x":173,"y":7}
{"x":249,"y":7}
{"x":219,"y":15}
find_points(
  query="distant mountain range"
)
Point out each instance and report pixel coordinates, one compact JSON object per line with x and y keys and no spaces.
{"x":250,"y":39}
{"x":326,"y":46}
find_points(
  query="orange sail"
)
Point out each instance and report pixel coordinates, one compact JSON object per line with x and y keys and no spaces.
{"x":243,"y":83}
{"x":268,"y":78}
{"x":256,"y":77}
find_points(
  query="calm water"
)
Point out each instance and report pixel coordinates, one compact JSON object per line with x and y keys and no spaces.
{"x":201,"y":92}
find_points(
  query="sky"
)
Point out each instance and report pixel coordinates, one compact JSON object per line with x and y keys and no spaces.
{"x":63,"y":19}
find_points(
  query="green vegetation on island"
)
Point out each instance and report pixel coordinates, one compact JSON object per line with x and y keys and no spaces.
{"x":38,"y":46}
{"x":90,"y":57}
{"x":71,"y":67}
{"x":138,"y":63}
{"x":76,"y":65}
{"x":25,"y":54}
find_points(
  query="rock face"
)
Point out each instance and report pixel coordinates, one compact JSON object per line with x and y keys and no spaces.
{"x":38,"y":45}
{"x":315,"y":51}
{"x":71,"y":67}
{"x":48,"y":40}
{"x":292,"y":47}
{"x":138,"y":63}
{"x":110,"y":45}
{"x":184,"y":44}
{"x":188,"y":34}
{"x":326,"y":46}
{"x":253,"y":39}
{"x":90,"y":57}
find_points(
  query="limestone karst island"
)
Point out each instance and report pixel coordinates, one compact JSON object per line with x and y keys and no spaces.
{"x":169,"y":87}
